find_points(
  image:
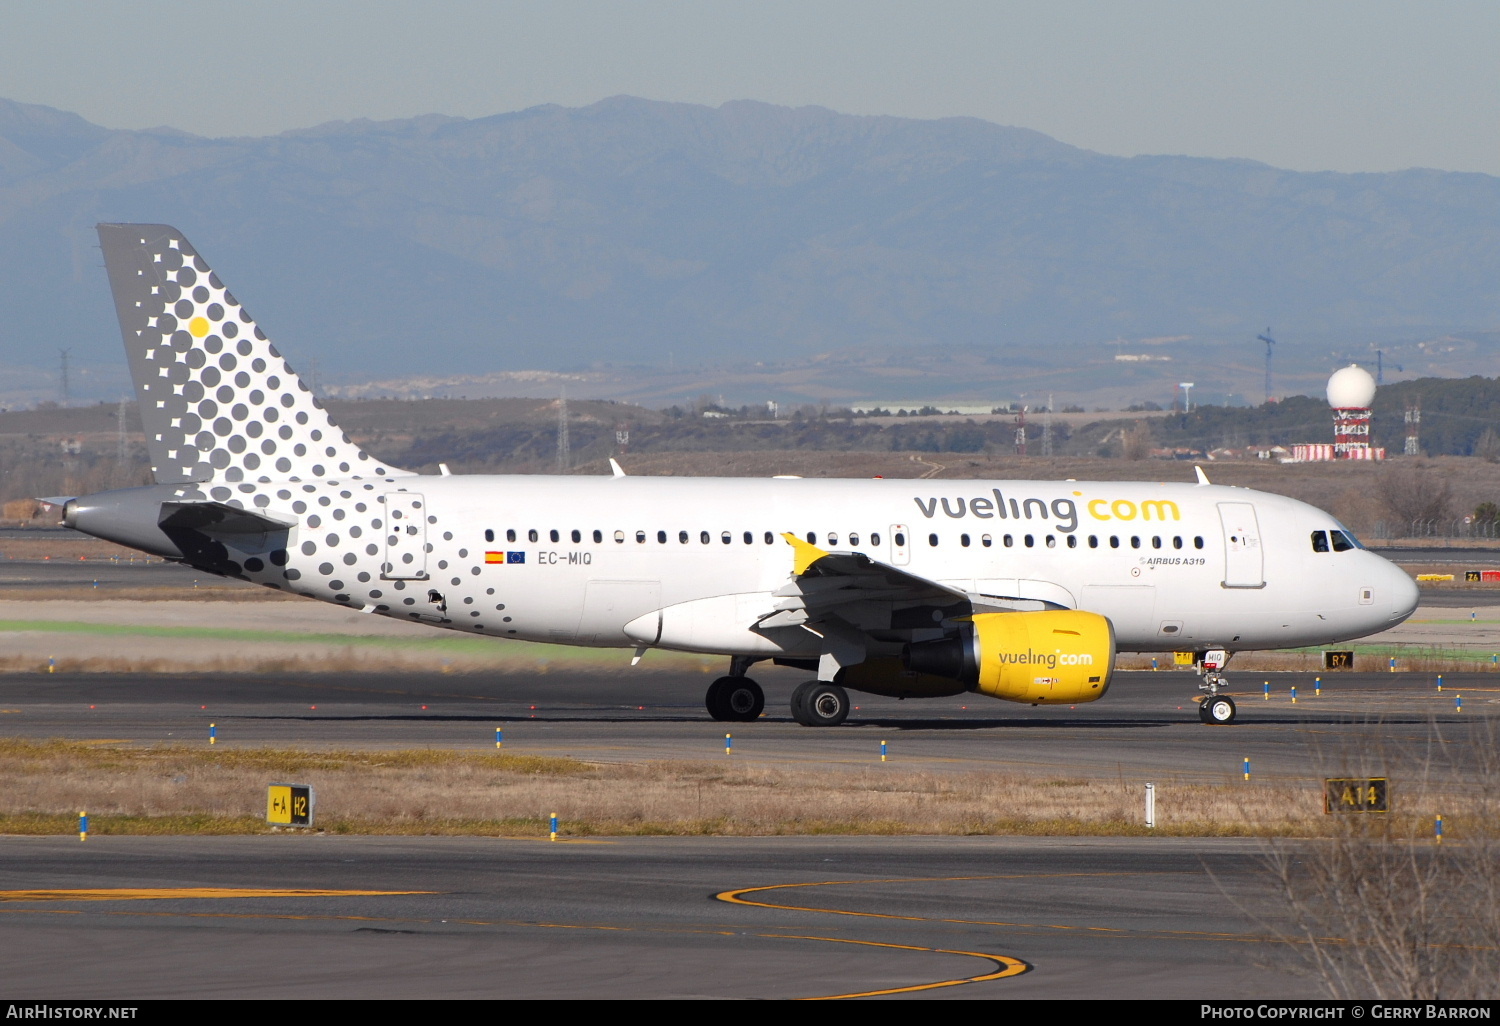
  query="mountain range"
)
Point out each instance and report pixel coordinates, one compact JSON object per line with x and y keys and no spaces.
{"x":642,"y":235}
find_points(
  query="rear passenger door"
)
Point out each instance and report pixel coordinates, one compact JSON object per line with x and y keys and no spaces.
{"x":405,"y":537}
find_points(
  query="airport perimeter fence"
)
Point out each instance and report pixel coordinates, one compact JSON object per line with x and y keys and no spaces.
{"x":1460,"y":528}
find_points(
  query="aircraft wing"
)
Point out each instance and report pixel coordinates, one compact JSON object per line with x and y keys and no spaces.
{"x":853,"y":588}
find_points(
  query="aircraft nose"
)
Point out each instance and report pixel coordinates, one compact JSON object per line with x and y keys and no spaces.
{"x":1402,"y":593}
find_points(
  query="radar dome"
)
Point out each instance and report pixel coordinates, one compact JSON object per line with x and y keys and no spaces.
{"x":1351,"y":388}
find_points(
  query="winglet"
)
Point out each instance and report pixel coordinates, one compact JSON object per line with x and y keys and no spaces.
{"x":804,"y":554}
{"x":615,"y":468}
{"x":1202,"y":477}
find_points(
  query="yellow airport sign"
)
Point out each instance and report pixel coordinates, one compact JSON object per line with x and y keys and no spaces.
{"x":289,"y":805}
{"x":1356,"y":794}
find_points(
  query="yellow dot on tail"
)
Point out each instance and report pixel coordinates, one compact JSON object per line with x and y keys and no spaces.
{"x":198,"y":326}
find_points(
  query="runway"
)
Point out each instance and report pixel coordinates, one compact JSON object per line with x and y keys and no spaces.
{"x":935,"y":917}
{"x":638,"y":917}
{"x":1146,"y":726}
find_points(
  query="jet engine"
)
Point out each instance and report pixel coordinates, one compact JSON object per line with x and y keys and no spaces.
{"x":1042,"y":658}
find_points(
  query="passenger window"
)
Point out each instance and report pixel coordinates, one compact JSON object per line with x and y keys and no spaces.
{"x":900,"y":539}
{"x":554,"y":535}
{"x":875,"y":538}
{"x":726,"y":537}
{"x":1135,"y":541}
{"x":619,"y":537}
{"x":510,"y":534}
{"x":932,"y":540}
{"x":1072,"y":541}
{"x":640,"y":537}
{"x":531,"y":534}
{"x":854,"y":541}
{"x":661,"y":537}
{"x":812,"y":537}
{"x":1093,"y":541}
{"x":833,"y":539}
{"x":1009,"y":541}
{"x":1341,"y":541}
{"x":1030,"y":541}
{"x":1051,"y":542}
{"x":749,"y":538}
{"x":1198,"y":541}
{"x":1155,"y":541}
{"x":1177,"y":541}
{"x":770,"y":538}
{"x":1114,"y":541}
{"x":1320,"y":541}
{"x":703,"y":537}
{"x":986,"y":540}
{"x":577,"y":535}
{"x":963,"y":540}
{"x":598,"y":536}
{"x":489,"y":534}
{"x":682,"y":536}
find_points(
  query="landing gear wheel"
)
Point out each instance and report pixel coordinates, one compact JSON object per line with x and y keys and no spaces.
{"x":799,"y":701}
{"x":736,"y":699}
{"x":820,"y":704}
{"x":1217,"y":709}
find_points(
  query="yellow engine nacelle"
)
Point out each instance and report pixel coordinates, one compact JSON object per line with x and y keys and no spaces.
{"x":1043,"y":658}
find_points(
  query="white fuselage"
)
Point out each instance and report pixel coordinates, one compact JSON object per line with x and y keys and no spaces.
{"x":691,"y":563}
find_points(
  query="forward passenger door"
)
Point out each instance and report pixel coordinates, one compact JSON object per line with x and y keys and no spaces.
{"x":1244,"y":560}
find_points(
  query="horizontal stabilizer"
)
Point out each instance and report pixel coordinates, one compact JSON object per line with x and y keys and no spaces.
{"x":216,"y":518}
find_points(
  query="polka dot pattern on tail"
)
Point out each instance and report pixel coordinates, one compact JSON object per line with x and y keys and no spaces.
{"x":207,"y":404}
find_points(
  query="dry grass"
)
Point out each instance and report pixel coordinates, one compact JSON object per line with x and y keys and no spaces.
{"x":71,"y":547}
{"x":180,"y":789}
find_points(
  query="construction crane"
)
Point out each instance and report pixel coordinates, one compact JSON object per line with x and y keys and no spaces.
{"x":1269,"y":341}
{"x":1380,"y":367}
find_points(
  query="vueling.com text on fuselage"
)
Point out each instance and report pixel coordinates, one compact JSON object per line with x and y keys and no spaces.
{"x":1063,"y":513}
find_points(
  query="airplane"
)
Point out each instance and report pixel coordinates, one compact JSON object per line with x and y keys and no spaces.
{"x":1020,"y":590}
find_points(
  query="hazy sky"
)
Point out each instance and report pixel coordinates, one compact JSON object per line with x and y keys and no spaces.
{"x":1348,"y":86}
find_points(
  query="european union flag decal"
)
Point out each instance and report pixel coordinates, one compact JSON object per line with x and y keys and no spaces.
{"x":515,"y":557}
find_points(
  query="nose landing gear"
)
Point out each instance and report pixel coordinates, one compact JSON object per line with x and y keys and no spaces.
{"x":1214,"y":708}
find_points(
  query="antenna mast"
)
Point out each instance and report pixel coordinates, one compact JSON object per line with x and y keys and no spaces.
{"x":1269,"y":341}
{"x":564,"y":449}
{"x":62,"y":384}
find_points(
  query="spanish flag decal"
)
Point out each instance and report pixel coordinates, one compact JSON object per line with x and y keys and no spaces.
{"x":494,"y":557}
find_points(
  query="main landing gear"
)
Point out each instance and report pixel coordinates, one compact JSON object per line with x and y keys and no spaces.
{"x":818,"y":703}
{"x":736,"y":699}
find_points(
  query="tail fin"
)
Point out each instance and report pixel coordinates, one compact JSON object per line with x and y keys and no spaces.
{"x":218,"y":402}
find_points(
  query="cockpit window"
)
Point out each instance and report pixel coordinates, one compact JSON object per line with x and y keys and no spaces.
{"x":1342,"y":542}
{"x":1320,"y":541}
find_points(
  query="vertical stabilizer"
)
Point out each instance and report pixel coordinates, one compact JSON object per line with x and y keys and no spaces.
{"x":218,"y":403}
